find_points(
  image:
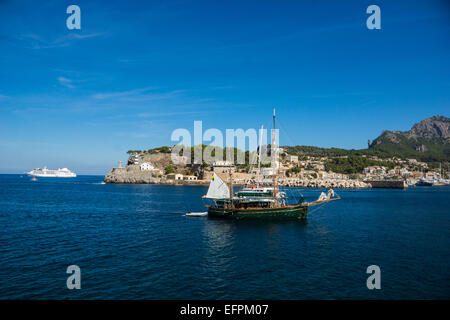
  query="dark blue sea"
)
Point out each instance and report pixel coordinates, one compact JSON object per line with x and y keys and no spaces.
{"x":134,"y":242}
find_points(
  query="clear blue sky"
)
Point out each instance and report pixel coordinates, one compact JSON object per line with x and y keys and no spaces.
{"x":139,"y":69}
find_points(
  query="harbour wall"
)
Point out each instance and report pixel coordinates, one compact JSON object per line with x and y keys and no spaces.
{"x":389,"y":184}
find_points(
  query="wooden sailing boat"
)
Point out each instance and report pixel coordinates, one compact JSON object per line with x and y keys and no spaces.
{"x":256,"y":201}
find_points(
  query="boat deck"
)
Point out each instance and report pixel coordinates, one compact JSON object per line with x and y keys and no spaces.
{"x":314,"y":203}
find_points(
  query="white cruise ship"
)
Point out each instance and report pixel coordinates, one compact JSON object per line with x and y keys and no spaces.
{"x":59,"y":173}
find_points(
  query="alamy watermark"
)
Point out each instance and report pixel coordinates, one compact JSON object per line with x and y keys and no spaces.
{"x":374,"y":20}
{"x":74,"y":20}
{"x":374,"y":280}
{"x":74,"y":280}
{"x":210,"y":146}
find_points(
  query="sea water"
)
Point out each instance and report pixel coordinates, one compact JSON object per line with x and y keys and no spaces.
{"x":135,"y":242}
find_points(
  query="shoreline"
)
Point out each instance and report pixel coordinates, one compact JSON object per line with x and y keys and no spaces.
{"x":114,"y":177}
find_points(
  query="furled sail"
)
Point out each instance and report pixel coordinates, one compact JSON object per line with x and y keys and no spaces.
{"x":322,"y":197}
{"x":330,"y":193}
{"x":327,"y":196}
{"x":217,"y":189}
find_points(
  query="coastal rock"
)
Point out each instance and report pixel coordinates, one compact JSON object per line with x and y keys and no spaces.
{"x":131,"y":176}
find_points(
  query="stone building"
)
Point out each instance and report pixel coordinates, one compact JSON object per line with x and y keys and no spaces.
{"x":175,"y":176}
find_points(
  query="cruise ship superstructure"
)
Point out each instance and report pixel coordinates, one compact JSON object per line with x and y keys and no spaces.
{"x":59,"y":173}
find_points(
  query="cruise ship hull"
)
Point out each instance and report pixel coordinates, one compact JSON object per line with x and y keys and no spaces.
{"x":51,"y":175}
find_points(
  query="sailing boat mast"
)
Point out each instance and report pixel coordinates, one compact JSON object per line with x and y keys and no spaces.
{"x":259,"y":157}
{"x":231,"y":190}
{"x":273,"y":150}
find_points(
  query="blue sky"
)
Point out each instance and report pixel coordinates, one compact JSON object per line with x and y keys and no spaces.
{"x":138,"y":70}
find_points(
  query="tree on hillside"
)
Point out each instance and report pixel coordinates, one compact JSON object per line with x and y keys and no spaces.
{"x":133,"y":151}
{"x":169,"y":169}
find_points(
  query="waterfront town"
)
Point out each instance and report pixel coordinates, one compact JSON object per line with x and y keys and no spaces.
{"x":157,"y":167}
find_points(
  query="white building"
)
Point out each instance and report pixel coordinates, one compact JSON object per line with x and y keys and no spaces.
{"x":222,"y":164}
{"x":147,"y":166}
{"x":375,"y":170}
{"x":175,"y":176}
{"x":267,"y":172}
{"x":292,"y":158}
{"x":405,"y":172}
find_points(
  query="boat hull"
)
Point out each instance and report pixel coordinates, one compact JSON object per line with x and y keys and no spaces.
{"x":424,"y":184}
{"x":51,"y":175}
{"x":288,"y":212}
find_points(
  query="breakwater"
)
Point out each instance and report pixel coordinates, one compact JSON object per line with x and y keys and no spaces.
{"x":390,"y":184}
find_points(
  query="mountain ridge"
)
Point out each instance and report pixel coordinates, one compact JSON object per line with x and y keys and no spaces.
{"x":427,"y":140}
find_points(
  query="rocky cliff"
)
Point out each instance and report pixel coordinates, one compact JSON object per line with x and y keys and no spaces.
{"x":161,"y":161}
{"x":436,"y":127}
{"x":428,"y":140}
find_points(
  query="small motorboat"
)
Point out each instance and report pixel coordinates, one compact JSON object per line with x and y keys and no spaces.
{"x":424,"y":183}
{"x":33,"y":179}
{"x":197,"y":214}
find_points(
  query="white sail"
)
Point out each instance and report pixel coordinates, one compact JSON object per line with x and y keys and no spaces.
{"x":217,"y":189}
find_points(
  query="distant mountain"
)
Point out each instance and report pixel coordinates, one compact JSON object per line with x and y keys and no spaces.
{"x":432,"y":128}
{"x":428,"y":140}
